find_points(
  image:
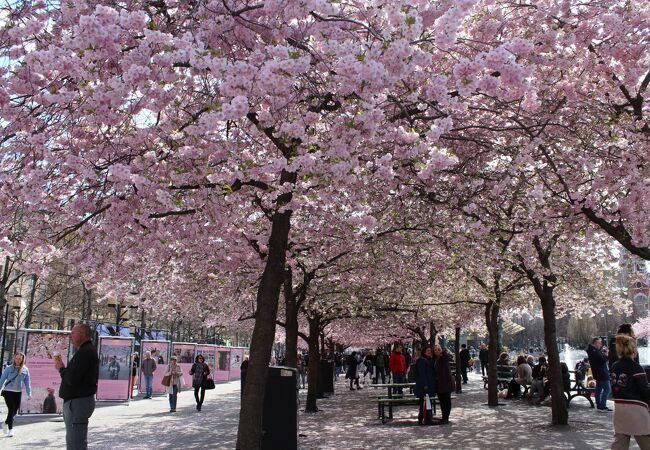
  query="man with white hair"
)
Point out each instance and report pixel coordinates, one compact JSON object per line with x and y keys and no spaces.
{"x":78,"y":387}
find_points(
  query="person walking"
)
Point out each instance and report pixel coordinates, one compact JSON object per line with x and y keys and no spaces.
{"x":631,"y":397}
{"x":148,"y":368}
{"x":425,"y":386}
{"x":302,"y":373}
{"x":446,"y":384}
{"x":352,"y":373}
{"x":483,"y":359}
{"x":175,"y":375}
{"x":380,"y":367}
{"x":134,"y":371}
{"x":78,"y":387}
{"x":598,"y":363}
{"x":397,"y":365}
{"x":199,"y":372}
{"x":14,"y":379}
{"x":464,"y":361}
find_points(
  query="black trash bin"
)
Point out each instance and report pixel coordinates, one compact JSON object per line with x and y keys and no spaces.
{"x":326,"y":376}
{"x":280,"y":415}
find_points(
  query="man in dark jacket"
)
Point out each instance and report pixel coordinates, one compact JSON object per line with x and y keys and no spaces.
{"x":464,"y":361}
{"x":483,"y":358}
{"x":598,"y":363}
{"x":78,"y":387}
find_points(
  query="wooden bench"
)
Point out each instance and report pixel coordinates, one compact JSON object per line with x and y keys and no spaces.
{"x":383,"y":402}
{"x":395,"y":402}
{"x":579,"y":390}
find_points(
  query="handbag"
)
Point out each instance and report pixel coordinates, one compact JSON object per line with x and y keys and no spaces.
{"x":166,"y":380}
{"x":208,"y":384}
{"x":427,"y":403}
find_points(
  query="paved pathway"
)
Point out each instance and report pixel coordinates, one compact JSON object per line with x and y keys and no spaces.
{"x":347,"y":421}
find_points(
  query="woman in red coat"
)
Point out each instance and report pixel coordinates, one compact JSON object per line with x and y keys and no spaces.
{"x":397,"y":365}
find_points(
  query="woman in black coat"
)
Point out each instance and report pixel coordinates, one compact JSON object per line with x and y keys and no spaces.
{"x":425,"y":384}
{"x":352,"y":370}
{"x":446,"y":383}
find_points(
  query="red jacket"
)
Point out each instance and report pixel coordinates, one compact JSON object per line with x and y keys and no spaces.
{"x":397,"y":363}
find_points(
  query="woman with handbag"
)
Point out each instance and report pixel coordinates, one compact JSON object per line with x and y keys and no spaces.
{"x":14,"y":378}
{"x":172,"y":379}
{"x":199,"y":372}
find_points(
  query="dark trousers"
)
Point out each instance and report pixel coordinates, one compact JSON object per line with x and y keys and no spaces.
{"x":380,"y":372}
{"x":484,"y":367}
{"x":398,"y":378}
{"x":463,"y":372}
{"x":76,"y":413}
{"x":199,"y":400}
{"x":445,"y":404}
{"x":355,"y":380}
{"x":12,"y":399}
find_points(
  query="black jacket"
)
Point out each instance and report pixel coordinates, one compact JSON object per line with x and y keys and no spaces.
{"x":629,"y":381}
{"x":464,"y":357}
{"x":598,"y":363}
{"x":483,"y":355}
{"x":79,"y":379}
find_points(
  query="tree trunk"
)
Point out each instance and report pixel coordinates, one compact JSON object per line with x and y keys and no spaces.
{"x":432,"y":334}
{"x":560,"y":415}
{"x":291,"y":321}
{"x":249,"y":435}
{"x":30,"y":303}
{"x":459,"y":388}
{"x":314,"y":363}
{"x":492,"y":324}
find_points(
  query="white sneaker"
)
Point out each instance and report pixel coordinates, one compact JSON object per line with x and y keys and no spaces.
{"x":10,"y":433}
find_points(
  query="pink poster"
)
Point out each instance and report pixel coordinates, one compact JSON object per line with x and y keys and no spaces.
{"x":209,"y":353}
{"x":185,"y":354}
{"x":44,"y":378}
{"x":223,"y":364}
{"x":236,"y":358}
{"x":160,"y":354}
{"x":114,"y":368}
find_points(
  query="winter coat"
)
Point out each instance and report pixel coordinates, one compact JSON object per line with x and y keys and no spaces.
{"x":464,"y":358}
{"x":598,"y":363}
{"x":483,"y":355}
{"x":425,"y":382}
{"x":176,"y":378}
{"x":397,"y":363}
{"x":631,"y":395}
{"x":352,"y":368}
{"x":524,"y":374}
{"x":446,"y":381}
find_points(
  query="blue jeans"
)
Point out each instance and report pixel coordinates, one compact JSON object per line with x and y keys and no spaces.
{"x":148,"y":382}
{"x":173,"y":396}
{"x":602,"y":393}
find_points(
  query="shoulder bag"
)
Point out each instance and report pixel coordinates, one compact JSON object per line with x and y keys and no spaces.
{"x":166,"y":380}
